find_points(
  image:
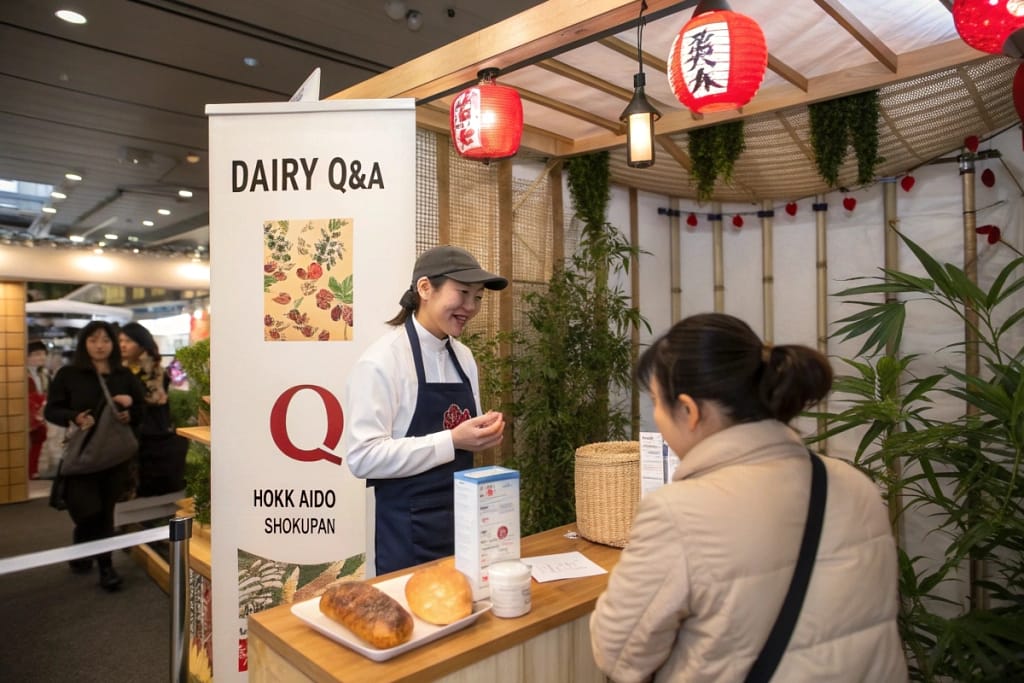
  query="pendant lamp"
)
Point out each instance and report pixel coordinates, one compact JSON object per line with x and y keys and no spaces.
{"x":640,"y":115}
{"x":718,"y":60}
{"x":990,"y":25}
{"x":487,"y":120}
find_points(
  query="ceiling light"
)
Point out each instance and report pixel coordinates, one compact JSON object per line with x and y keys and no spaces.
{"x":58,"y":195}
{"x":76,"y":238}
{"x":192,"y":158}
{"x":185,"y":193}
{"x":148,"y":223}
{"x":135,"y":250}
{"x":395,"y":9}
{"x":110,"y":236}
{"x":133,"y":238}
{"x":250,"y":61}
{"x":164,"y":212}
{"x":414,"y":20}
{"x":49,"y":209}
{"x":73,"y":177}
{"x":101,"y":244}
{"x":97,"y":250}
{"x":70,"y":16}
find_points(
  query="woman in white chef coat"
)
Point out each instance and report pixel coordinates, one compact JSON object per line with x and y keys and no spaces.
{"x":413,"y":413}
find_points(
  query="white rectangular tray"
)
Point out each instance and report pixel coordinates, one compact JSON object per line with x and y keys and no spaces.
{"x":422,"y":633}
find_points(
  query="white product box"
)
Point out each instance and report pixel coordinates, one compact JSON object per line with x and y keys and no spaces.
{"x":657,"y":462}
{"x":486,"y":522}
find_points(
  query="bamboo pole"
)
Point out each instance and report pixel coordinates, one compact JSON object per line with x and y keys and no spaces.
{"x":821,"y":241}
{"x":557,"y":217}
{"x":892,"y":262}
{"x":767,"y":215}
{"x":719,"y":263}
{"x":506,"y":227}
{"x":444,"y":185}
{"x":674,"y":265}
{"x":979,"y":596}
{"x":634,"y":284}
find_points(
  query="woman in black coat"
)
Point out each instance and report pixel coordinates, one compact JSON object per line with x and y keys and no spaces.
{"x":76,"y":396}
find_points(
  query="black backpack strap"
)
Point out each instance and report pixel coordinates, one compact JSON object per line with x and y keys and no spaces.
{"x":766,"y":662}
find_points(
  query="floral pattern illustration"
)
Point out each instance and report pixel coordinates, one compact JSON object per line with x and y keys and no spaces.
{"x":307,"y":280}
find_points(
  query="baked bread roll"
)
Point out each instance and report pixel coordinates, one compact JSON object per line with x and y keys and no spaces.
{"x":439,"y":594}
{"x":371,"y":614}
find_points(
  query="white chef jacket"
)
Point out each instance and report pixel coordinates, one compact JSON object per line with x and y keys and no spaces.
{"x":380,"y":398}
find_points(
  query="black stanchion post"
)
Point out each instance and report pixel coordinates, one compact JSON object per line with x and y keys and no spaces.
{"x":181,"y":532}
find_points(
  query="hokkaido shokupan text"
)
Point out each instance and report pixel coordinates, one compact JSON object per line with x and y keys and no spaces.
{"x":292,"y":499}
{"x":299,"y":174}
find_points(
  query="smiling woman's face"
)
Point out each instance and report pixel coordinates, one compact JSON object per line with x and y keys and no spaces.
{"x":99,"y":345}
{"x":445,"y":310}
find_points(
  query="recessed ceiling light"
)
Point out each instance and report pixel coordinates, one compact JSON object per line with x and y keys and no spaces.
{"x":97,"y":250}
{"x":76,"y":238}
{"x":133,"y":238}
{"x":101,"y":244}
{"x":110,"y":236}
{"x":148,"y":223}
{"x":185,"y":193}
{"x":73,"y":176}
{"x":192,"y":158}
{"x":58,"y":195}
{"x":70,"y":16}
{"x":135,"y":250}
{"x":250,"y":61}
{"x":49,"y":209}
{"x":164,"y":212}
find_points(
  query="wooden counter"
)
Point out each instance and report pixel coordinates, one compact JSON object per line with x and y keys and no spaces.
{"x":550,"y":643}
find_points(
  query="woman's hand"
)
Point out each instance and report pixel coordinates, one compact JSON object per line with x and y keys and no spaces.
{"x":85,"y":420}
{"x":123,"y":400}
{"x":479,"y":433}
{"x":123,"y":416}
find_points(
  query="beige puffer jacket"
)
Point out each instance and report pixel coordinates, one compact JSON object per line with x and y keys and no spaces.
{"x":710,"y":558}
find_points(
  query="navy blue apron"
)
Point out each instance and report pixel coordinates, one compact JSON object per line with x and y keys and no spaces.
{"x":415,"y":519}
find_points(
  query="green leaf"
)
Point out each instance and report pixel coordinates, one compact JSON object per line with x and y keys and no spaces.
{"x":342,"y":290}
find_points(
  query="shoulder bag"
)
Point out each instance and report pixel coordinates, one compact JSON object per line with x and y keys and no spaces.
{"x":105,"y":444}
{"x":771,"y":654}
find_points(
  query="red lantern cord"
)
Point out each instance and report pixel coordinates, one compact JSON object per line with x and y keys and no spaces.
{"x":718,"y":59}
{"x":987,"y":24}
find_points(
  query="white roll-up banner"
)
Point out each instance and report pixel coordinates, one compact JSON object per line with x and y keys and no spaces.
{"x":312,"y":239}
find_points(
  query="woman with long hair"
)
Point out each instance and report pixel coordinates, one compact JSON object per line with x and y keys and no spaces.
{"x":76,"y":397}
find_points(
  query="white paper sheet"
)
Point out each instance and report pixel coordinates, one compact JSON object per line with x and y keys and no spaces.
{"x":562,"y":566}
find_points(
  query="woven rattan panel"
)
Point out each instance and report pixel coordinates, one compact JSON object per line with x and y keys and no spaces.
{"x":919,"y":120}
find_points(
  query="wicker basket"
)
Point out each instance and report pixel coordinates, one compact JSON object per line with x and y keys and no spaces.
{"x":607,"y":490}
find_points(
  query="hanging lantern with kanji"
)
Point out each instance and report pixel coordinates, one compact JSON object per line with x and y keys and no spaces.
{"x":487,"y":120}
{"x":988,"y":25}
{"x":718,"y":60}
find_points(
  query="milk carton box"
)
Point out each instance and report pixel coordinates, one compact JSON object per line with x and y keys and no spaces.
{"x":486,"y":522}
{"x":657,"y":462}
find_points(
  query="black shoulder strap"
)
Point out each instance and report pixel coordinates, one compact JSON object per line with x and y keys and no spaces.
{"x":766,"y":662}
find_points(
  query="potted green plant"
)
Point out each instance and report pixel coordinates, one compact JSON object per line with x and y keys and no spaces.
{"x":961,"y":475}
{"x":574,"y":356}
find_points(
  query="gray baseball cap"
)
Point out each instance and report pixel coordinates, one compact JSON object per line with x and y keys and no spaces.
{"x":457,"y":264}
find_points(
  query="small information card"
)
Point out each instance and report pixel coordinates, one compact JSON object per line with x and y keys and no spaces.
{"x":562,"y":566}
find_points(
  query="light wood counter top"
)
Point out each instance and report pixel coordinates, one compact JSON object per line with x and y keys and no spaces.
{"x":200,"y":434}
{"x":280,"y":641}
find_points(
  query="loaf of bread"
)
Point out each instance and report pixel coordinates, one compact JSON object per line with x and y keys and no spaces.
{"x":439,"y":594}
{"x":371,"y":614}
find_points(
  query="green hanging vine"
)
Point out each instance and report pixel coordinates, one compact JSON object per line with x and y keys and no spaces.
{"x":713,"y":153}
{"x":839,"y":124}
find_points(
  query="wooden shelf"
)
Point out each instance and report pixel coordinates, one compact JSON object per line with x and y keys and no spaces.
{"x":200,"y":434}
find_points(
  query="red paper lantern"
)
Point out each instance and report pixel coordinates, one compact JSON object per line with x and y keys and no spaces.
{"x":907,"y":182}
{"x":987,"y":24}
{"x":691,"y":220}
{"x":1018,"y":91}
{"x":718,"y":60}
{"x":487,"y":120}
{"x":737,"y":222}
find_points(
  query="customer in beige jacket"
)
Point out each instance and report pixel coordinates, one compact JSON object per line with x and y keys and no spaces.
{"x":711,"y":554}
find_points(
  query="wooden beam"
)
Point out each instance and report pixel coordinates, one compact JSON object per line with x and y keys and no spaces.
{"x":543,"y":30}
{"x":787,"y":72}
{"x":591,"y":81}
{"x":845,"y":82}
{"x":624,"y":48}
{"x":852,"y":25}
{"x":570,"y":110}
{"x":676,"y":152}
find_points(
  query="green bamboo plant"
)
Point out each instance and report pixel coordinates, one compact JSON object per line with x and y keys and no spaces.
{"x":964,"y":474}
